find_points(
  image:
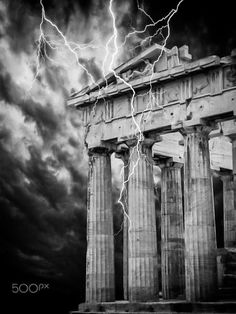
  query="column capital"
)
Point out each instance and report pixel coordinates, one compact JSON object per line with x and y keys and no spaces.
{"x":143,"y":145}
{"x":232,"y":136}
{"x":228,"y":128}
{"x":225,"y":175}
{"x":122,"y":152}
{"x":141,"y":141}
{"x":201,"y":129}
{"x":197,"y":126}
{"x":99,"y":151}
{"x":173,"y":162}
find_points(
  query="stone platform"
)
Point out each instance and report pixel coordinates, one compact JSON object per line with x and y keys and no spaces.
{"x":169,"y":307}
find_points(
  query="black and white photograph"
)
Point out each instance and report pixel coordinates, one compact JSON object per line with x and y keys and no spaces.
{"x":117,"y":156}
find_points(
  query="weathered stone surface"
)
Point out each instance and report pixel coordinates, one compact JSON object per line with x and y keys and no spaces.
{"x":164,"y":118}
{"x":229,"y":211}
{"x":181,"y":90}
{"x":200,"y":236}
{"x":160,"y":307}
{"x":100,"y":283}
{"x":124,"y":155}
{"x":172,"y":234}
{"x":179,"y":94}
{"x":171,"y":145}
{"x":229,"y":130}
{"x":143,"y":273}
{"x":233,"y":140}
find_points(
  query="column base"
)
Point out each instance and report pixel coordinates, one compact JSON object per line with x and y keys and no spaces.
{"x":158,"y":307}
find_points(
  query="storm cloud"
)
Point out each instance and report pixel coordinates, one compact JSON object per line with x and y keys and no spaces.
{"x":43,"y":162}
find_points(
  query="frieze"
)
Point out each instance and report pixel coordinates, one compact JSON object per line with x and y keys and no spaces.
{"x":158,"y":97}
{"x":109,"y":109}
{"x":201,"y":84}
{"x":172,"y":92}
{"x":230,"y":76}
{"x":86,"y":115}
{"x":186,"y":89}
{"x":143,"y":101}
{"x":121,"y":106}
{"x":216,"y":80}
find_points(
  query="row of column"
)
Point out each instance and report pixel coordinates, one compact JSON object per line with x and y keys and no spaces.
{"x":188,"y":243}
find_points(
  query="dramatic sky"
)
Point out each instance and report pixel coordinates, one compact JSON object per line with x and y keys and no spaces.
{"x":43,"y":164}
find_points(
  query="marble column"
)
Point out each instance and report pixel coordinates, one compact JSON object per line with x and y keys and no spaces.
{"x":143,"y":272}
{"x":233,"y":141}
{"x":124,"y":155}
{"x":229,"y":210}
{"x":172,"y":231}
{"x":100,"y":282}
{"x":200,"y":234}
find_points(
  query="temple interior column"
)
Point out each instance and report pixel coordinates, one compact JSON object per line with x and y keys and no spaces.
{"x":229,"y":210}
{"x":172,"y":233}
{"x":143,"y":272}
{"x":200,"y":234}
{"x":100,"y":282}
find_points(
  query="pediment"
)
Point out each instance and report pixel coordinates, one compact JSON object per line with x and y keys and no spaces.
{"x":155,"y":58}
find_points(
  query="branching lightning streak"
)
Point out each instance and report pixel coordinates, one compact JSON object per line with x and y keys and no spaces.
{"x":140,"y":135}
{"x":118,"y":77}
{"x":73,"y":48}
{"x":144,"y":12}
{"x":173,"y":12}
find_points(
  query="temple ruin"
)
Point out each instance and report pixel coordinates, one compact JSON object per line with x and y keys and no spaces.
{"x":160,"y":108}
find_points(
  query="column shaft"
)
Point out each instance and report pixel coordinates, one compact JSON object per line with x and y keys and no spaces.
{"x":172,"y":236}
{"x":143,"y":272}
{"x":200,"y":236}
{"x":125,"y":231}
{"x":100,"y":283}
{"x":229,"y":211}
{"x":233,"y":140}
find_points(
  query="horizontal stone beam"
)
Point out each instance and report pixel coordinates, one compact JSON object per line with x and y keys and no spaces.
{"x":170,"y":118}
{"x":220,"y":150}
{"x":89,"y":96}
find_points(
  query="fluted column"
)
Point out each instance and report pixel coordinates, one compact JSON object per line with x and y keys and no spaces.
{"x":100,"y":283}
{"x":123,"y":153}
{"x":172,"y":236}
{"x":233,"y":141}
{"x":229,"y":210}
{"x":200,"y":235}
{"x":143,"y":272}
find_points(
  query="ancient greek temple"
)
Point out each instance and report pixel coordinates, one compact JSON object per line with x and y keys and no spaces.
{"x":161,"y":108}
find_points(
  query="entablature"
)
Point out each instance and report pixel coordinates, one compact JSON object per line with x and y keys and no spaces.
{"x":164,"y":100}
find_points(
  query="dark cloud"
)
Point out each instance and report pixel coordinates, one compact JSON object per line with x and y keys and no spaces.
{"x":92,"y":67}
{"x":206,"y":27}
{"x":43,"y":225}
{"x":21,"y":24}
{"x":43,"y":175}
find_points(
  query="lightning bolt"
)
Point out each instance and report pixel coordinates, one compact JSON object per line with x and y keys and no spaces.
{"x":139,"y":134}
{"x":71,"y":46}
{"x":144,"y":12}
{"x":112,"y":43}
